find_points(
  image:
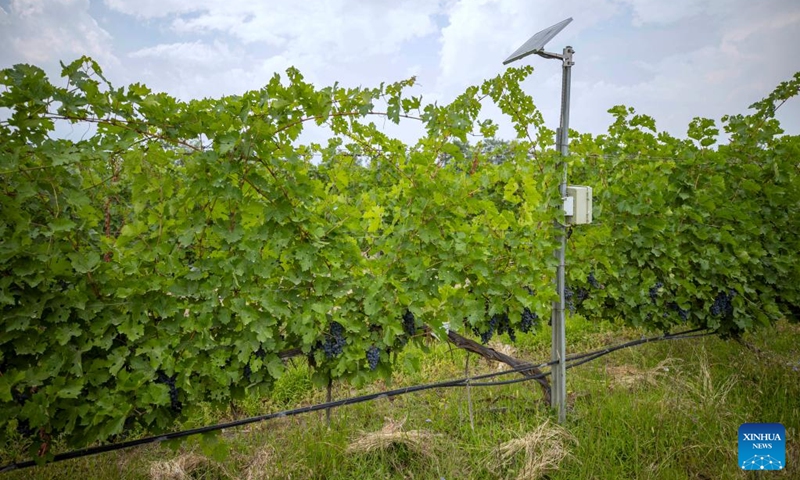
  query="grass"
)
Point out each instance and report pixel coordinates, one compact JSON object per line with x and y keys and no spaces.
{"x":667,"y":410}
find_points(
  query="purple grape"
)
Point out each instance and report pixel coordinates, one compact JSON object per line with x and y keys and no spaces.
{"x":528,"y":320}
{"x":409,"y":323}
{"x":373,"y":357}
{"x":592,"y":280}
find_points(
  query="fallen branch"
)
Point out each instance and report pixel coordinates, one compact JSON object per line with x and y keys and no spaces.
{"x":494,"y":355}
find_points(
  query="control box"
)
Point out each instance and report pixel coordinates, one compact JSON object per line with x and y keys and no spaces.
{"x":580,"y":199}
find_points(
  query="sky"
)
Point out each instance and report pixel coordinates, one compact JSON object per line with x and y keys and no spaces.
{"x":671,"y":59}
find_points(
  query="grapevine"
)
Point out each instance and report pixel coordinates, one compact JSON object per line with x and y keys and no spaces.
{"x":169,"y":259}
{"x":697,"y":223}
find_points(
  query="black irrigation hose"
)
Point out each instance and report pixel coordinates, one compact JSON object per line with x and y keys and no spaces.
{"x":604,"y":351}
{"x":593,"y":356}
{"x":601,"y":352}
{"x":573,"y":361}
{"x":576,"y":360}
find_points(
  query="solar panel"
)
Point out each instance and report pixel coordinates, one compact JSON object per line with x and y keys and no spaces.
{"x":537,"y":42}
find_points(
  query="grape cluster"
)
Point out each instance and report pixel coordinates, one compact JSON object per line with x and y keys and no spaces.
{"x":528,"y":289}
{"x":373,"y":357}
{"x":486,"y":335}
{"x":20,"y":397}
{"x":24,"y":428}
{"x":528,"y":320}
{"x":592,"y":280}
{"x":581,"y":295}
{"x":173,"y":391}
{"x":498,"y":323}
{"x":247,"y":372}
{"x":568,"y":299}
{"x":653,"y":292}
{"x":260,"y":353}
{"x":409,"y":323}
{"x":684,"y":314}
{"x":504,"y":326}
{"x":23,"y":425}
{"x":722,"y":304}
{"x":334,"y":342}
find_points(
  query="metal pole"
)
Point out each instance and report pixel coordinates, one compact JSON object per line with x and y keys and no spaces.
{"x":559,"y":349}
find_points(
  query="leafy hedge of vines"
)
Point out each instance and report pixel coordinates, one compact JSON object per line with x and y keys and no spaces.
{"x":172,"y":254}
{"x":691,"y":230}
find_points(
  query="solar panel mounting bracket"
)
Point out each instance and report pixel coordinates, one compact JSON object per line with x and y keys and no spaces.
{"x":555,"y":56}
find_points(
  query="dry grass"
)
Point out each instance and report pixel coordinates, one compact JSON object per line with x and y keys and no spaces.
{"x":265,"y":464}
{"x":542,"y":450}
{"x":183,"y":467}
{"x":391,"y":435}
{"x":630,"y":377}
{"x":503,"y":348}
{"x":260,"y":465}
{"x":703,"y":389}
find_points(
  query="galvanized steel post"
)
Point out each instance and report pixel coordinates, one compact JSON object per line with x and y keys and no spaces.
{"x":535,"y":45}
{"x":559,"y":347}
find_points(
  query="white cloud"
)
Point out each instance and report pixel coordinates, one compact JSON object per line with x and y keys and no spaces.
{"x":27,"y":8}
{"x":355,"y":42}
{"x":153,"y":8}
{"x":191,"y":54}
{"x":305,"y":27}
{"x":336,"y":28}
{"x":755,"y":27}
{"x":199,"y":69}
{"x":739,"y":68}
{"x":664,"y":12}
{"x":43,"y":32}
